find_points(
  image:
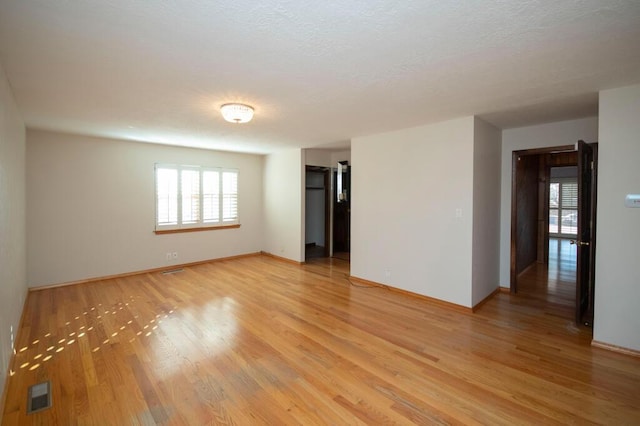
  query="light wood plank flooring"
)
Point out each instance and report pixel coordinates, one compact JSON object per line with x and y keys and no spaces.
{"x":260,"y":341}
{"x":551,"y":288}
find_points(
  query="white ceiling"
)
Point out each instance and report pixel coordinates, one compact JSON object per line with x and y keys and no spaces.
{"x":317,"y":72}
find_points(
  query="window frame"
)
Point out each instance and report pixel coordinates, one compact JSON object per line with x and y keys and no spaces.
{"x":199,"y":224}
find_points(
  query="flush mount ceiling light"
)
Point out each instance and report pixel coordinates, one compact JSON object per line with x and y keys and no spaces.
{"x":237,"y":113}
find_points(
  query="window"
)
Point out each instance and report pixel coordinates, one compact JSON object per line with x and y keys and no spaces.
{"x":563,"y":207}
{"x":189,"y":197}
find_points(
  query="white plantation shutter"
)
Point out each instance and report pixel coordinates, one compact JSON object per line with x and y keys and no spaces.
{"x":193,"y":197}
{"x":230,"y":196}
{"x":569,"y":208}
{"x":166,"y":196}
{"x":569,"y":195}
{"x":190,"y":196}
{"x":563,"y":206}
{"x":210,"y":196}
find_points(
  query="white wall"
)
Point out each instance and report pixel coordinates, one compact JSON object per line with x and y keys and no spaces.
{"x":92,"y":208}
{"x":337,"y":156}
{"x":540,"y":136}
{"x":406,"y":187}
{"x":284,"y":204}
{"x":617,"y":287}
{"x":318,"y":157}
{"x":486,"y":210}
{"x":13,"y":257}
{"x":325,"y":157}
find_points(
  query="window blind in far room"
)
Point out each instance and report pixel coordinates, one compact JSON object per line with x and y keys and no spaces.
{"x":563,"y":207}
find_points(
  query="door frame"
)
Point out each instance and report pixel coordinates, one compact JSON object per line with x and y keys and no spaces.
{"x":587,"y":319}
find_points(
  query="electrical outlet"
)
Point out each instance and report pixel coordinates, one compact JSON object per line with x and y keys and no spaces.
{"x":12,"y":338}
{"x":175,"y":255}
{"x":387,"y":273}
{"x":168,"y":256}
{"x":458,"y":212}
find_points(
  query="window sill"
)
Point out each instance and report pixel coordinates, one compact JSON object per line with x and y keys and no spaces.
{"x":205,"y":228}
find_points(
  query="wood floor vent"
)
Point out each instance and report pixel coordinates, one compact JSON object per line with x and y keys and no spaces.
{"x":39,"y":397}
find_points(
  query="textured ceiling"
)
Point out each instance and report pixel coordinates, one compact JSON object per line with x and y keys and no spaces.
{"x":318,"y":73}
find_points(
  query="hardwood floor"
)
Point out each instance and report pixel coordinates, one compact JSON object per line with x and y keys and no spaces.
{"x":260,"y":341}
{"x":312,"y":251}
{"x":552,"y":289}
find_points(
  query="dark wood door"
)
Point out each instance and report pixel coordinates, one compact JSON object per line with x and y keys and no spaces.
{"x":585,"y":242}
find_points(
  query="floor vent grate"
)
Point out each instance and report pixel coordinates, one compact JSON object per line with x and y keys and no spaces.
{"x":39,"y":397}
{"x":172,"y":271}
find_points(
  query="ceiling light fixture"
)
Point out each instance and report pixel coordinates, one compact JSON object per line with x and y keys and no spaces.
{"x":237,"y":113}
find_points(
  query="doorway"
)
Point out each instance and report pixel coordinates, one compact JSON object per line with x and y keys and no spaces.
{"x":317,"y":211}
{"x":552,"y":233}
